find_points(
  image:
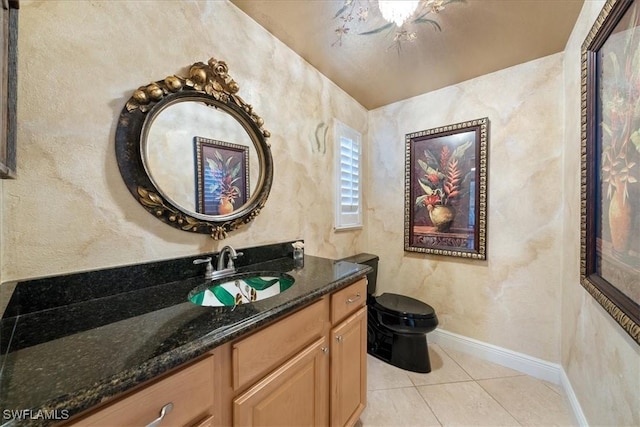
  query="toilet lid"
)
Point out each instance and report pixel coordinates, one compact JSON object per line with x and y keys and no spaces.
{"x":407,"y":306}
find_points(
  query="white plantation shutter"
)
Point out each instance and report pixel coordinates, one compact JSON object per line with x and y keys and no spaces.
{"x":348,"y":188}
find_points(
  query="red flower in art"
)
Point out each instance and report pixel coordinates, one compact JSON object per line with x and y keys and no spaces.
{"x":432,"y":199}
{"x":442,"y":177}
{"x":433,"y":178}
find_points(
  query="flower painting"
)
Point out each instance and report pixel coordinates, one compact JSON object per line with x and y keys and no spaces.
{"x":619,"y":222}
{"x":611,"y":179}
{"x":445,"y":194}
{"x":442,"y":181}
{"x":222,"y":176}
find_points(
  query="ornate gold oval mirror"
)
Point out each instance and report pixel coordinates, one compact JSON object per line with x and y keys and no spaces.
{"x":193,"y":153}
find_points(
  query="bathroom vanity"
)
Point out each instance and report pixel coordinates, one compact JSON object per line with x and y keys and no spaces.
{"x":306,"y":369}
{"x":296,"y":358}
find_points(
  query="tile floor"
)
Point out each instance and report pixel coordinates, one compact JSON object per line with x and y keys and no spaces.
{"x":460,"y":390}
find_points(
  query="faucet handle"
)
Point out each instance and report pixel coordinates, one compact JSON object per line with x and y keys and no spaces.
{"x":230,"y":263}
{"x":208,"y":272}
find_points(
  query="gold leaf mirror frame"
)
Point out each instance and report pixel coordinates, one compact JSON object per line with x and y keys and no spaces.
{"x":207,"y":84}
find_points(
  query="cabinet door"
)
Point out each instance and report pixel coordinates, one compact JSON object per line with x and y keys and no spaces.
{"x":296,"y":394}
{"x":349,"y":369}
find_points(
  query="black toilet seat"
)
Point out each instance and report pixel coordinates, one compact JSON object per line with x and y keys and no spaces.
{"x":403,"y":315}
{"x":404,"y":306}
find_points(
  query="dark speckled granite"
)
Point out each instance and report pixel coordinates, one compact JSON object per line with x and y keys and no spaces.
{"x":58,"y":291}
{"x":82,"y":353}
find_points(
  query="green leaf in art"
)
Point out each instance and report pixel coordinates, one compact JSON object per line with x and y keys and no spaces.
{"x":212,"y":165}
{"x":426,"y":188}
{"x":285,"y":284}
{"x":423,"y":165}
{"x":259,"y":284}
{"x":198,"y":298}
{"x":431,"y":159}
{"x":459,"y":152}
{"x":218,"y":156}
{"x":428,"y":21}
{"x":223,"y":296}
{"x":635,"y":138}
{"x":236,"y":169}
{"x":342,"y":9}
{"x":377,"y":30}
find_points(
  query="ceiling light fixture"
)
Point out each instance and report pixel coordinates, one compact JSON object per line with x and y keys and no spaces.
{"x":397,"y":11}
{"x":401,"y":17}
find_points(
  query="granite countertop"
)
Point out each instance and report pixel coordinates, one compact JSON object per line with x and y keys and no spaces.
{"x":70,"y":358}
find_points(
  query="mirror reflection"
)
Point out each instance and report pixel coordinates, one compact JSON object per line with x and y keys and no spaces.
{"x":193,"y":153}
{"x":201,"y":158}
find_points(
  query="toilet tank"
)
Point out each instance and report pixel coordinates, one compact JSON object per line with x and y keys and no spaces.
{"x":370,"y":260}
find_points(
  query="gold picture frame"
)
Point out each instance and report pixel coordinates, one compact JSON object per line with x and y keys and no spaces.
{"x":446,"y":190}
{"x":610,"y":143}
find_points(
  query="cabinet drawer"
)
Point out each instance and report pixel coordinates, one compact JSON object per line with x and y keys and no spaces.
{"x":190,"y":390}
{"x":255,"y":356}
{"x":348,"y":300}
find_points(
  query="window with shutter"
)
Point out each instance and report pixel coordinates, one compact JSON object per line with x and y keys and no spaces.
{"x":348,"y":189}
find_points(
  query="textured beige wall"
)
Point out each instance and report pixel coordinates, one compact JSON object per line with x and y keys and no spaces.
{"x":600,"y":359}
{"x":69,"y":210}
{"x":513,"y":299}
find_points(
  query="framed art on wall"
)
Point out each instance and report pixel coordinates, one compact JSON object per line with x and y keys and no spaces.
{"x":446,"y":190}
{"x":610,"y":189}
{"x":8,"y":87}
{"x":222,"y":176}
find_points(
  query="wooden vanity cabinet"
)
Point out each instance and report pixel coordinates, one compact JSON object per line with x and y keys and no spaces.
{"x":349,"y":354}
{"x":280,"y":374}
{"x":307,"y":369}
{"x":295,"y":394}
{"x":315,"y":366}
{"x":190,"y":390}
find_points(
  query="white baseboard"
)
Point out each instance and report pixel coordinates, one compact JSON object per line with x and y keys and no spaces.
{"x":521,"y":362}
{"x":578,"y":415}
{"x":529,"y":365}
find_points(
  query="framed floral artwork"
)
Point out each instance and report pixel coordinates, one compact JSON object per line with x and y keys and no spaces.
{"x":222,"y":176}
{"x":8,"y":87}
{"x":446,"y":190}
{"x":610,"y":190}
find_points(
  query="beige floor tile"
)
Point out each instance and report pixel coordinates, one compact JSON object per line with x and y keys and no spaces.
{"x":480,"y":369}
{"x":443,"y":369}
{"x":382,"y":376}
{"x":530,"y":401}
{"x":465,"y":404}
{"x":399,"y":407}
{"x":555,"y":387}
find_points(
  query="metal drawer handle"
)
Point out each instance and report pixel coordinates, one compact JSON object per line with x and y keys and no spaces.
{"x":164,"y":411}
{"x":339,"y":338}
{"x":354,"y":299}
{"x":325,"y":350}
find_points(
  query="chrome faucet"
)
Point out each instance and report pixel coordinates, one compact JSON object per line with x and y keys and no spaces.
{"x":208,"y":274}
{"x":221,"y":270}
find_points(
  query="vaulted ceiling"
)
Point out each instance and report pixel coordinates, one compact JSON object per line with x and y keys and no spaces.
{"x":477,"y":37}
